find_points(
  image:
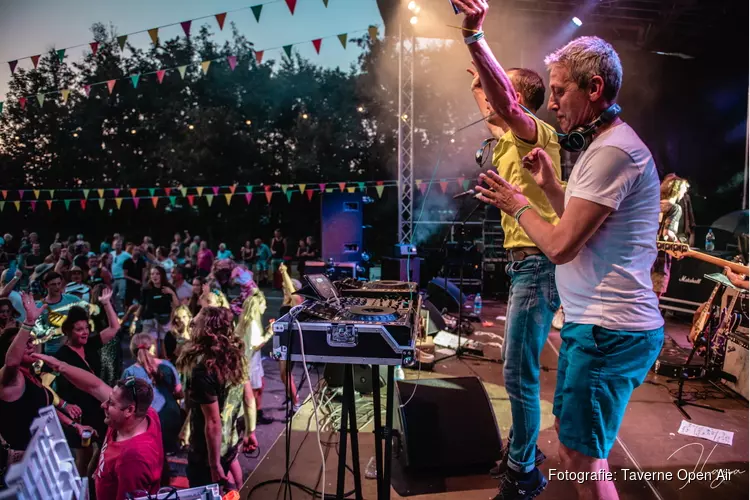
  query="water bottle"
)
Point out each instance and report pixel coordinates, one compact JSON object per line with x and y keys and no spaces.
{"x":478,"y":305}
{"x":710,"y":241}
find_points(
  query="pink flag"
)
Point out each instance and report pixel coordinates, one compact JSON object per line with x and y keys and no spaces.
{"x":232,"y":60}
{"x":136,"y":201}
{"x":248,"y":197}
{"x":216,"y":190}
{"x":117,"y":191}
{"x":186,"y":27}
{"x":322,"y":187}
{"x":33,"y":206}
{"x":87,"y":89}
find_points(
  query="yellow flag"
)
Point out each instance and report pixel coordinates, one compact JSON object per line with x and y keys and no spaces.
{"x":228,"y":196}
{"x":154,"y":34}
{"x":302,"y":188}
{"x":200,"y":190}
{"x":118,"y":201}
{"x":65,"y":93}
{"x":36,"y":194}
{"x":18,"y":205}
{"x":351,"y":189}
{"x":101,"y":193}
{"x":205,"y":65}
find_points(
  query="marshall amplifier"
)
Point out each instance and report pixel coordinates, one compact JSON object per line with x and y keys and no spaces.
{"x":688,"y":288}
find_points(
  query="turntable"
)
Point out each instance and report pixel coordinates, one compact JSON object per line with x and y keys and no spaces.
{"x":371,"y":314}
{"x":384,"y":288}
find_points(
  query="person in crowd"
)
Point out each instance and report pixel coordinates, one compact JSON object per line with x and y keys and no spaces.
{"x":47,"y":329}
{"x":36,"y":280}
{"x":22,"y":393}
{"x":10,"y":290}
{"x":289,"y":286}
{"x":313,"y":252}
{"x":247,"y":254}
{"x":673,"y":189}
{"x":183,"y":289}
{"x":82,"y":349}
{"x":163,"y":378}
{"x":81,"y":257}
{"x":194,"y":304}
{"x":205,"y":260}
{"x":164,"y":259}
{"x":214,"y":360}
{"x":262,"y":261}
{"x":604,"y":248}
{"x":76,"y":286}
{"x":55,"y":249}
{"x":278,"y":251}
{"x":242,"y":277}
{"x":132,"y":456}
{"x":134,"y":271}
{"x":34,"y":258}
{"x":177,"y":245}
{"x":119,"y":257}
{"x":95,"y":273}
{"x":8,"y":315}
{"x":223,"y":253}
{"x":158,"y":299}
{"x":193,"y":250}
{"x":65,"y":262}
{"x":179,"y":332}
{"x":301,"y":256}
{"x":111,"y":353}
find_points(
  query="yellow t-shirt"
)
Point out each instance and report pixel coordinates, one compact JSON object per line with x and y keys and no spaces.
{"x":508,"y":158}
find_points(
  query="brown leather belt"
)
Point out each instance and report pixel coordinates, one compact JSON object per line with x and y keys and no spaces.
{"x":516,"y":254}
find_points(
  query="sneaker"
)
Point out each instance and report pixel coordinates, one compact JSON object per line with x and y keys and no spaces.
{"x":502,"y":465}
{"x":517,"y":486}
{"x":263,"y":419}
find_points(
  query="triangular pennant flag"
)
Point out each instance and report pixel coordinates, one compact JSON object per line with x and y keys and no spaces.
{"x":118,"y":202}
{"x":228,"y":197}
{"x":101,"y":203}
{"x":155,"y":201}
{"x":167,"y":190}
{"x":291,"y":4}
{"x":350,"y":189}
{"x":160,"y":75}
{"x":186,"y":27}
{"x":460,"y":181}
{"x":205,"y":65}
{"x":51,"y":193}
{"x":100,"y":192}
{"x":172,"y":200}
{"x":18,"y":205}
{"x":267,"y":188}
{"x":49,"y":204}
{"x":322,"y":187}
{"x":256,"y":11}
{"x":443,"y":185}
{"x":136,"y":202}
{"x":191,"y":199}
{"x":111,"y":85}
{"x":35,"y":60}
{"x":232,"y":60}
{"x":373,"y":32}
{"x":284,"y":187}
{"x":1,"y":106}
{"x":65,"y":93}
{"x":154,"y":34}
{"x":200,"y":190}
{"x":215,"y":189}
{"x":309,"y":193}
{"x":2,"y":206}
{"x":87,"y":90}
{"x":83,"y":204}
{"x":40,"y":98}
{"x":94,"y":47}
{"x":134,"y":79}
{"x":269,"y":194}
{"x":36,"y":193}
{"x":116,"y":191}
{"x":423,"y":187}
{"x":316,"y":43}
{"x":361,"y":186}
{"x":182,"y":69}
{"x":342,"y":39}
{"x":325,"y":2}
{"x":33,"y":206}
{"x":289,"y":196}
{"x":5,"y":194}
{"x":288,"y":50}
{"x":418,"y":182}
{"x":329,"y":190}
{"x":133,"y":192}
{"x":342,"y":185}
{"x":209,"y":199}
{"x":151,"y":191}
{"x":121,"y":42}
{"x":233,"y":188}
{"x":22,"y":102}
{"x":20,"y":193}
{"x":258,"y":56}
{"x":248,"y":197}
{"x":86,"y":194}
{"x":220,"y":19}
{"x":249,"y":189}
{"x":302,"y":188}
{"x":379,"y":188}
{"x":12,"y":65}
{"x":61,"y":54}
{"x":183,"y":191}
{"x":466,"y":184}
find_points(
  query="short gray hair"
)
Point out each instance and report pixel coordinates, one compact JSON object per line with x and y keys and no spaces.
{"x":589,"y":56}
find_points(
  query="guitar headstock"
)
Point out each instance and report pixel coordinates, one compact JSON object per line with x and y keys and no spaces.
{"x":674,"y":248}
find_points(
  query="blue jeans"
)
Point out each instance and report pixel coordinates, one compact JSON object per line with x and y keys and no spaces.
{"x":532,"y":304}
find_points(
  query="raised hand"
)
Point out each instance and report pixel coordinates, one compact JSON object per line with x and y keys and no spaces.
{"x":32,"y":310}
{"x":50,"y":361}
{"x":106,"y":296}
{"x":539,"y":165}
{"x":501,"y":194}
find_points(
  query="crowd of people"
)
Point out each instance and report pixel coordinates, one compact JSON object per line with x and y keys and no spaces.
{"x":195,"y":381}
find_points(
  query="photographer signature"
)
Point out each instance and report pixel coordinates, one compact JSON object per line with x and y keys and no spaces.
{"x":717,"y":476}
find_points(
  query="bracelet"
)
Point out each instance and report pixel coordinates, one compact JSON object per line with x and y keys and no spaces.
{"x":520,"y":212}
{"x":63,"y":405}
{"x":474,"y":38}
{"x":24,"y":326}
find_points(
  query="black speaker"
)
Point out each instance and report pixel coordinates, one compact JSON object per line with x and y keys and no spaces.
{"x":445,"y":295}
{"x":334,"y":377}
{"x":687,"y":281}
{"x":400,"y":269}
{"x":449,"y":423}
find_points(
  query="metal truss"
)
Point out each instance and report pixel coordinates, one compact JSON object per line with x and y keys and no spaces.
{"x":406,"y":54}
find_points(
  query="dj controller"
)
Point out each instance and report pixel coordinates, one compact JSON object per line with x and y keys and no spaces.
{"x":351,"y":322}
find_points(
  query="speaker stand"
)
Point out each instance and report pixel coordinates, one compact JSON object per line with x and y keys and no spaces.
{"x":383,"y":457}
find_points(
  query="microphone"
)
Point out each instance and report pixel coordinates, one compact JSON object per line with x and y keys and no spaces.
{"x":469,"y":192}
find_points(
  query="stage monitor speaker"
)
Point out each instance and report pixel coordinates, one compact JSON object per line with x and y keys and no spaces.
{"x":449,"y":424}
{"x":445,"y":295}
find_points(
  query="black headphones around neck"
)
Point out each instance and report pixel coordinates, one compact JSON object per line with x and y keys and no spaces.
{"x":579,"y":138}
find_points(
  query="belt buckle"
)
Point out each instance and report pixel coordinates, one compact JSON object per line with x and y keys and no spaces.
{"x":521,"y":252}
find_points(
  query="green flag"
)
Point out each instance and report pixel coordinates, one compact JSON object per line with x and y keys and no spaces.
{"x":289,"y":196}
{"x":151,"y":191}
{"x":172,"y":200}
{"x":249,"y":189}
{"x":182,"y":69}
{"x":209,"y":199}
{"x":183,"y":191}
{"x":61,"y":54}
{"x":134,"y":79}
{"x":67,"y":204}
{"x":40,"y":98}
{"x":288,"y":50}
{"x":121,"y":41}
{"x":342,"y":39}
{"x":1,"y":106}
{"x":256,"y":11}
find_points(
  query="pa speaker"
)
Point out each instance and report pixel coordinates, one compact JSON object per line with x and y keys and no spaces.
{"x":445,"y":295}
{"x":449,"y":423}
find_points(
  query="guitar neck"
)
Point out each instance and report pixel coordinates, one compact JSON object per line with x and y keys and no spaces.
{"x":734,"y":266}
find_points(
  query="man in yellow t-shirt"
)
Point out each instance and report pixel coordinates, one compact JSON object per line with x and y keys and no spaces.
{"x":533,"y":297}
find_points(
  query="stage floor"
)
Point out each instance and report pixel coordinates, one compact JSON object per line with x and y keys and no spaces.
{"x":648,"y":440}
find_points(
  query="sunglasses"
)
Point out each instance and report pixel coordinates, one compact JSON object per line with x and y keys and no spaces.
{"x":130,"y":383}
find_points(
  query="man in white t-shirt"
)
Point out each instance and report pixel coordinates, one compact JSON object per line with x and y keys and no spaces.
{"x":604,"y":247}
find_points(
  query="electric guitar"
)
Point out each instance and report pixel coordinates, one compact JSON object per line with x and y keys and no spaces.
{"x":705,"y":314}
{"x":680,"y":250}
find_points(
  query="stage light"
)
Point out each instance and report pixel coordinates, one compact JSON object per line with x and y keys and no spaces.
{"x":404,"y":117}
{"x":305,"y":116}
{"x":248,"y":122}
{"x":361,"y":109}
{"x":577,"y":21}
{"x":417,"y":9}
{"x":191,"y":126}
{"x":413,"y":20}
{"x":75,"y":134}
{"x":132,"y":131}
{"x":453,"y":140}
{"x":412,"y":5}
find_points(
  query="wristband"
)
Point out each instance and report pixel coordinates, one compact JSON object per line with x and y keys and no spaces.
{"x":474,"y":38}
{"x":520,"y":212}
{"x":63,"y":405}
{"x":24,"y":326}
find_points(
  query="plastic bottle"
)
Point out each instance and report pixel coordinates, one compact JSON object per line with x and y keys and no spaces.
{"x":710,"y":246}
{"x":478,"y":305}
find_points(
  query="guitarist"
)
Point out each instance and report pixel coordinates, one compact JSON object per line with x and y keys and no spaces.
{"x":737,"y":279}
{"x":672,"y":191}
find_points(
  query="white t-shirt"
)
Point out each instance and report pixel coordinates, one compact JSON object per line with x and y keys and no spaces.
{"x":184,"y":291}
{"x":608,"y":284}
{"x":117,"y":262}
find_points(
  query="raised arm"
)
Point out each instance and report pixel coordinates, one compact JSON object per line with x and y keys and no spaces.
{"x":84,"y":380}
{"x":11,"y":284}
{"x":494,"y":123}
{"x":114,"y":322}
{"x":14,"y":356}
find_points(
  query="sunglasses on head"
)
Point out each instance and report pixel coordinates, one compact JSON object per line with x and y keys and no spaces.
{"x":130,"y":383}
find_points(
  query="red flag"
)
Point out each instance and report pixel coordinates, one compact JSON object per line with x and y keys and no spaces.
{"x":12,"y":65}
{"x":232,"y":60}
{"x":155,"y":201}
{"x":117,"y":191}
{"x":309,"y":193}
{"x":167,"y":191}
{"x":460,"y":181}
{"x":258,"y":56}
{"x":443,"y":185}
{"x":22,"y":102}
{"x":267,"y":188}
{"x":83,"y":204}
{"x":191,"y":199}
{"x":215,"y":190}
{"x":342,"y":186}
{"x":87,"y":89}
{"x":94,"y":47}
{"x":291,"y":4}
{"x":220,"y":19}
{"x":49,"y":204}
{"x":5,"y":193}
{"x":248,"y":197}
{"x":133,"y":191}
{"x":423,"y":187}
{"x":269,"y":194}
{"x":233,"y":188}
{"x":111,"y":85}
{"x":186,"y":27}
{"x":33,"y":206}
{"x":316,"y":44}
{"x":35,"y":60}
{"x":160,"y":75}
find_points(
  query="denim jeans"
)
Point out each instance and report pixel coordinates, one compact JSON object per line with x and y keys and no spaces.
{"x":532,"y":304}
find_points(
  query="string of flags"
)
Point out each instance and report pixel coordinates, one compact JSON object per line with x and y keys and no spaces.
{"x":159,"y":74}
{"x":154,"y":32}
{"x":84,"y":196}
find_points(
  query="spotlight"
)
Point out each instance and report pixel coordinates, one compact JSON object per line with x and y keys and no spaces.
{"x":577,"y":21}
{"x":191,"y":126}
{"x":453,"y":140}
{"x":417,"y":9}
{"x":305,"y":116}
{"x":132,"y":131}
{"x":413,"y":20}
{"x":75,"y":134}
{"x":404,"y":117}
{"x":412,"y":5}
{"x":248,"y":122}
{"x":361,"y":109}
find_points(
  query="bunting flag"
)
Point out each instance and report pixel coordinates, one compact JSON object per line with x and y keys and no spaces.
{"x":342,"y":185}
{"x":379,"y":188}
{"x":1,"y":107}
{"x":155,"y":201}
{"x":100,"y":192}
{"x":117,"y":191}
{"x":284,"y":188}
{"x":2,"y":206}
{"x":167,"y":190}
{"x":316,"y":43}
{"x":309,"y":193}
{"x":258,"y":56}
{"x":5,"y":194}
{"x":86,"y":194}
{"x":182,"y":69}
{"x":12,"y":65}
{"x":21,"y":192}
{"x":191,"y":199}
{"x":22,"y":102}
{"x":325,"y":2}
{"x":322,"y":187}
{"x":373,"y":32}
{"x":228,"y":197}
{"x":220,"y":19}
{"x":151,"y":192}
{"x":36,"y":193}
{"x":232,"y":60}
{"x":94,"y":47}
{"x":289,"y":196}
{"x":466,"y":184}
{"x":35,"y":60}
{"x":49,"y":204}
{"x":248,"y":197}
{"x":302,"y":188}
{"x":205,"y":65}
{"x":256,"y":11}
{"x":172,"y":200}
{"x":443,"y":185}
{"x":154,"y":34}
{"x":269,"y":194}
{"x":291,"y":4}
{"x":61,"y":54}
{"x":342,"y":39}
{"x":350,"y":189}
{"x":134,"y":79}
{"x":51,"y":193}
{"x":136,"y":202}
{"x":361,"y":186}
{"x":460,"y":181}
{"x":101,"y":203}
{"x":423,"y":187}
{"x":133,"y":192}
{"x":33,"y":206}
{"x":65,"y":93}
{"x":249,"y":189}
{"x":160,"y":75}
{"x":87,"y":90}
{"x":215,"y":189}
{"x":111,"y":85}
{"x":83,"y":204}
{"x":183,"y":191}
{"x":209,"y":199}
{"x":40,"y":98}
{"x":200,"y":190}
{"x":121,"y":41}
{"x":118,"y":202}
{"x":233,"y":188}
{"x":329,"y":190}
{"x":186,"y":27}
{"x":288,"y":50}
{"x":18,"y":205}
